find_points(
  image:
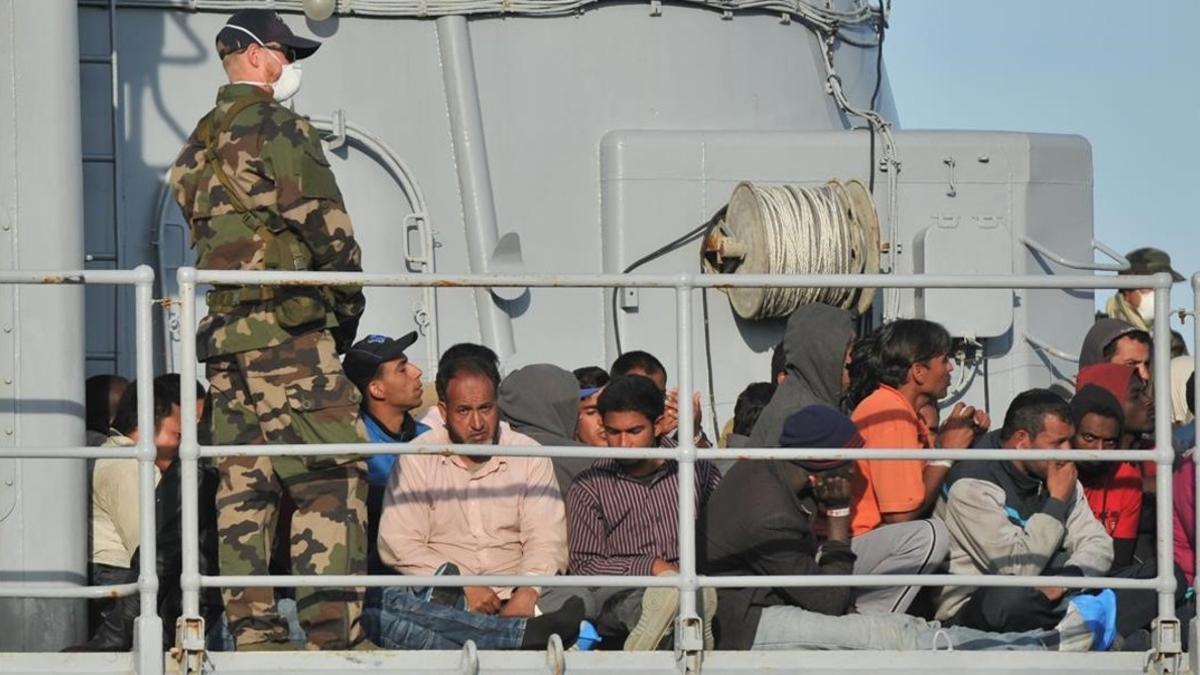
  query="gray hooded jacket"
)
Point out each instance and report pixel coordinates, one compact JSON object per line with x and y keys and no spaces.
{"x":814,"y":343}
{"x":542,"y":402}
{"x":1102,"y":334}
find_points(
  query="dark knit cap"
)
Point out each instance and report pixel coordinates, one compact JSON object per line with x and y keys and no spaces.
{"x":820,"y":426}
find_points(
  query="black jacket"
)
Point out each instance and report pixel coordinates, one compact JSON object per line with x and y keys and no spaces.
{"x":755,"y":525}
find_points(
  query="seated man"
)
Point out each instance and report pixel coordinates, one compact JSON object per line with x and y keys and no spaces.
{"x":542,"y":402}
{"x":647,"y":365}
{"x":115,"y":533}
{"x":1113,"y":489}
{"x":391,"y":388}
{"x":917,"y":547}
{"x":895,"y":372}
{"x":102,"y":393}
{"x":485,"y":514}
{"x":746,"y":411}
{"x":760,"y":521}
{"x":592,"y":380}
{"x":1115,"y":341}
{"x":624,"y":515}
{"x":1020,"y":517}
{"x":814,"y":353}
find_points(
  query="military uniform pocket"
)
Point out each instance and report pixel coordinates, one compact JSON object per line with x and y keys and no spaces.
{"x":316,"y":176}
{"x":324,"y":409}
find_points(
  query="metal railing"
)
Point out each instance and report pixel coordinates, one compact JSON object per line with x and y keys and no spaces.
{"x":148,"y":635}
{"x":689,"y":635}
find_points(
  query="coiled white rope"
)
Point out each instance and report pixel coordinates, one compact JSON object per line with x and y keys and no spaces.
{"x":808,"y":230}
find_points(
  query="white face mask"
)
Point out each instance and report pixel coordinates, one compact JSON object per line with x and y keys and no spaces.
{"x":289,"y":78}
{"x":1145,"y":308}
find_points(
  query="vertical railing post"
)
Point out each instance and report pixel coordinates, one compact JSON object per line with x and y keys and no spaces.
{"x":149,"y":630}
{"x":189,"y":633}
{"x":1167,"y":640}
{"x":689,"y":639}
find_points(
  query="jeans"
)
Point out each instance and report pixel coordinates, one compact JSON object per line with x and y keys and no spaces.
{"x":786,"y":627}
{"x":395,"y":618}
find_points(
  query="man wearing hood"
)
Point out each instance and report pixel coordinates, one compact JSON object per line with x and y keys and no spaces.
{"x":816,"y":345}
{"x":1114,"y":341}
{"x":542,"y":402}
{"x":1113,"y":489}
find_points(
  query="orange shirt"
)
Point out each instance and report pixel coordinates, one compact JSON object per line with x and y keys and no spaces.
{"x":887,"y":420}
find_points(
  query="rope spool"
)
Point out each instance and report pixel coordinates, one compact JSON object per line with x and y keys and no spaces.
{"x":796,"y":229}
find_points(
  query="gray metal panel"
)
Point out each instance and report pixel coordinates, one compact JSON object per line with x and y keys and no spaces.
{"x":41,"y":354}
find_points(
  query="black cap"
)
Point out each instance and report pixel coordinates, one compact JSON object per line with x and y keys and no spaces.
{"x":1150,"y":261}
{"x":261,"y":26}
{"x":364,"y":358}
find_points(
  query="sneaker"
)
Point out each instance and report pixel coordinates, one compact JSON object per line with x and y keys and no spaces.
{"x":450,"y":596}
{"x":1099,"y":613}
{"x":660,"y":606}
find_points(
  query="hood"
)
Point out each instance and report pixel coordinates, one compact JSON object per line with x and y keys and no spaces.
{"x":814,"y":343}
{"x":1113,"y":378}
{"x":542,"y":402}
{"x":1100,"y":336}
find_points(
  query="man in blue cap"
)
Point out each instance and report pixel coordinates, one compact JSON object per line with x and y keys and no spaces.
{"x":391,"y":389}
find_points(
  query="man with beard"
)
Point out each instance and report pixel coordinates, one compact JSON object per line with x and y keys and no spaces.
{"x":484,"y":514}
{"x":1113,"y":489}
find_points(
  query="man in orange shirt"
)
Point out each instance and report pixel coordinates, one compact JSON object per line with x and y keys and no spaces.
{"x":902,"y":368}
{"x":895,"y":372}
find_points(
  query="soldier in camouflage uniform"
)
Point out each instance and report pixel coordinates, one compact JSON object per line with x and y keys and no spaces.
{"x":258,"y":193}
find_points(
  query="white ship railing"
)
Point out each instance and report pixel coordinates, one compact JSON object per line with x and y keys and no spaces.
{"x":689,"y":634}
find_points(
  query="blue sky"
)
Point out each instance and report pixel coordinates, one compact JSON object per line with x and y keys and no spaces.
{"x":1123,"y":74}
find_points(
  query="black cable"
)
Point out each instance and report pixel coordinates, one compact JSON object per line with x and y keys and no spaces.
{"x":692,"y":235}
{"x":881,"y":28}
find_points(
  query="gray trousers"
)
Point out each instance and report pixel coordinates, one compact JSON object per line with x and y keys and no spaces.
{"x":916,"y":547}
{"x":786,"y":627}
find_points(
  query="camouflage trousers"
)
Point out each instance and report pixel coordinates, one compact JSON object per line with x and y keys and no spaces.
{"x":292,"y":393}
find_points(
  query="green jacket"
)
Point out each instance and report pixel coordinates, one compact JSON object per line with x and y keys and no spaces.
{"x":285,"y":213}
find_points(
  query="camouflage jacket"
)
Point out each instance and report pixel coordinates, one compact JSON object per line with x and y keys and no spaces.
{"x":294,"y":218}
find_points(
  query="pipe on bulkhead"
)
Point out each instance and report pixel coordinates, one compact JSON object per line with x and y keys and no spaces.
{"x":474,"y":177}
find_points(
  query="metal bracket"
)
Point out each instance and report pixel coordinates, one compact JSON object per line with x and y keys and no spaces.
{"x":689,"y":644}
{"x":951,"y":188}
{"x":337,"y":137}
{"x":189,"y":650}
{"x":556,"y":657}
{"x":629,"y":299}
{"x":1167,"y":654}
{"x":469,"y":663}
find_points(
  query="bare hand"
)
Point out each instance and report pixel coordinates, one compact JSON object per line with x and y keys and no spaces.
{"x":1060,"y":480}
{"x":662,"y":567}
{"x":481,"y":600}
{"x":960,"y":427}
{"x":669,"y":422}
{"x":522,"y":603}
{"x":831,"y":491}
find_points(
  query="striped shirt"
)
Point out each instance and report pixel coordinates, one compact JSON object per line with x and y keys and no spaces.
{"x":619,"y":525}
